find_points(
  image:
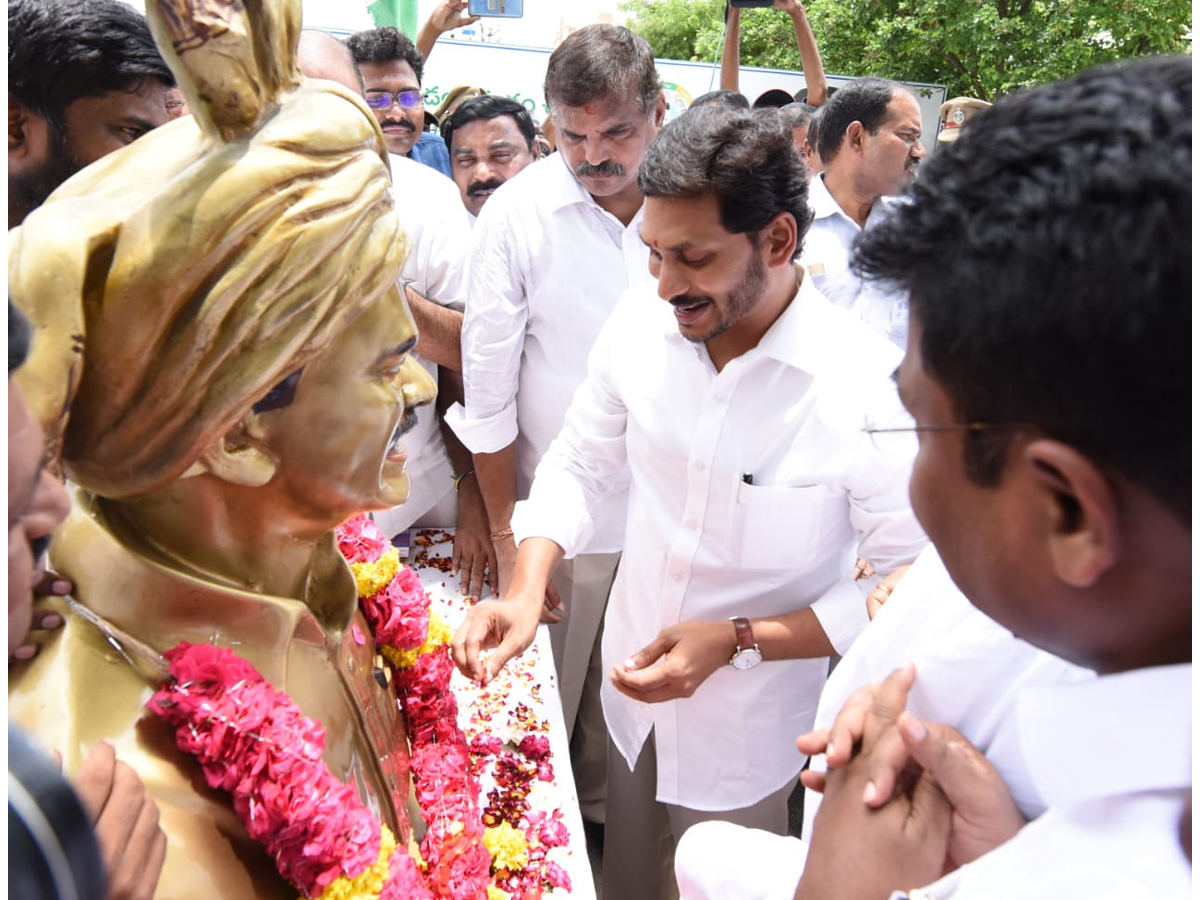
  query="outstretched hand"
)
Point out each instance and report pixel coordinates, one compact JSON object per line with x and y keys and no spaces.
{"x":506,"y":627}
{"x":676,"y":662}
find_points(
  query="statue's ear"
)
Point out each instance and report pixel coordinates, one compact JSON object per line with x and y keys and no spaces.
{"x":239,"y":456}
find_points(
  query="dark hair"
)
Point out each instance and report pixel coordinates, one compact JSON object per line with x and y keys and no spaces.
{"x":775,"y":98}
{"x":600,"y":61}
{"x":726,"y":99}
{"x":746,"y":159}
{"x":797,"y":115}
{"x":60,"y":51}
{"x":384,"y":45}
{"x":489,"y":106}
{"x":20,"y":335}
{"x":863,"y":100}
{"x":1048,"y":256}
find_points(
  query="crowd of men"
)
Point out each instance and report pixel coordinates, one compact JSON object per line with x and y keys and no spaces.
{"x":707,"y":388}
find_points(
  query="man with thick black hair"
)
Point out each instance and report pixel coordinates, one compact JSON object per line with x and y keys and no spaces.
{"x":391,"y":67}
{"x":83,"y":81}
{"x":1047,"y":254}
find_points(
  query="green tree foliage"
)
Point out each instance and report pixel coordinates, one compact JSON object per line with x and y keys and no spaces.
{"x":979,"y":48}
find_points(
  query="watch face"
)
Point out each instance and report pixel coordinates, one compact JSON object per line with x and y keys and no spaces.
{"x":746,"y":659}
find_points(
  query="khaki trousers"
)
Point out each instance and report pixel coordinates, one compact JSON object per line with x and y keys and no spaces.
{"x":584,"y":583}
{"x":640,"y":834}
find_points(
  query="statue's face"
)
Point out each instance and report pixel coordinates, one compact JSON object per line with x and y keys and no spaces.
{"x":337,"y":445}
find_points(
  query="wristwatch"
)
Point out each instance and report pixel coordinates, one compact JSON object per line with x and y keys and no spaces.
{"x":747,"y":655}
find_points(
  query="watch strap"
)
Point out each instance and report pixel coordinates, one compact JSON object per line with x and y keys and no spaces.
{"x":745,"y":635}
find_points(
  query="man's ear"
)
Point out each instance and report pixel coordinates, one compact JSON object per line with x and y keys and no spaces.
{"x":239,"y":456}
{"x":1084,"y":529}
{"x":28,"y":134}
{"x":660,"y":111}
{"x":855,"y":136}
{"x":779,"y":237}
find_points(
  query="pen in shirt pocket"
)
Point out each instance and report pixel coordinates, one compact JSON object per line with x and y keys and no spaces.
{"x":747,"y":478}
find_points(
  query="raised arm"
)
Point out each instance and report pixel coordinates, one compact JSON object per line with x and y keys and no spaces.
{"x":446,"y":16}
{"x":730,"y":56}
{"x":810,"y":56}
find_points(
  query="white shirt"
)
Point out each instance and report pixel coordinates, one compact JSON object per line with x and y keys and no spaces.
{"x":828,"y":248}
{"x":432,"y":215}
{"x":547,"y":267}
{"x":1112,"y":757}
{"x":970,"y":672}
{"x":704,"y":543}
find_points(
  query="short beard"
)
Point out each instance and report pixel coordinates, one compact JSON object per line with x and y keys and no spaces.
{"x":29,"y":191}
{"x":741,"y":300}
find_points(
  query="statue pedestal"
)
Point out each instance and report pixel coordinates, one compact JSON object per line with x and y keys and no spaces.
{"x":523,"y":700}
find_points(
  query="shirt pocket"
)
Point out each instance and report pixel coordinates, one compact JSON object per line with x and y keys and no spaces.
{"x":779,"y":527}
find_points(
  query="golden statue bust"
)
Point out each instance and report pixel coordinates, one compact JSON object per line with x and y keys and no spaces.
{"x":222,"y":357}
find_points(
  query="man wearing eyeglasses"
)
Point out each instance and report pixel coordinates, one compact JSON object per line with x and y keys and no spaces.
{"x":870,"y":144}
{"x":391,"y":67}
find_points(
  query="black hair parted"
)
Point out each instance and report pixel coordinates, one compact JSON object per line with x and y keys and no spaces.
{"x":746,"y":158}
{"x":60,"y":51}
{"x":385,"y":45}
{"x":863,"y":100}
{"x":489,"y":106}
{"x":600,"y":62}
{"x":1047,"y":253}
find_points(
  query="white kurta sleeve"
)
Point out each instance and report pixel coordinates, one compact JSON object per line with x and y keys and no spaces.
{"x":585,"y":459}
{"x":493,"y":337}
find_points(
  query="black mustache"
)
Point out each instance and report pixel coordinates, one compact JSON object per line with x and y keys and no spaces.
{"x":585,"y":169}
{"x":476,"y":187}
{"x":403,"y":123}
{"x":689,"y":300}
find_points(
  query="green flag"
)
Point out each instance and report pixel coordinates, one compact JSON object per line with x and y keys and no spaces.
{"x":400,"y":14}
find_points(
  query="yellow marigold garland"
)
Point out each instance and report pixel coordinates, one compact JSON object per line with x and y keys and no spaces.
{"x":438,"y":635}
{"x":369,"y":884}
{"x":373,"y":577}
{"x":508,"y":847}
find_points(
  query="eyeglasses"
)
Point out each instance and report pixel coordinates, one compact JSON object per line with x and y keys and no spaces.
{"x":381,"y":100}
{"x":891,"y":438}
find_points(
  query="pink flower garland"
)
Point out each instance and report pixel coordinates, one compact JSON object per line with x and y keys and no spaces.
{"x":254,"y":742}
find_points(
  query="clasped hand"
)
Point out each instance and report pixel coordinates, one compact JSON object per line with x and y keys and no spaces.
{"x":918,"y":793}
